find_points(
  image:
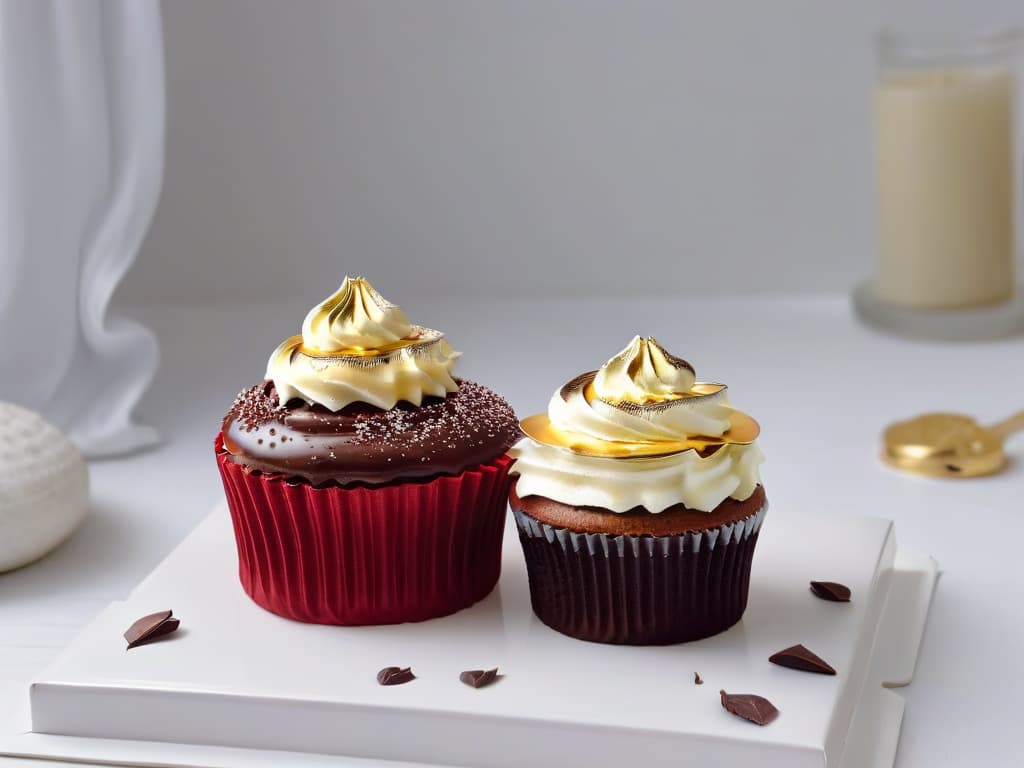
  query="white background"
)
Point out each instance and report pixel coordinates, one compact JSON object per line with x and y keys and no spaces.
{"x":543,"y":146}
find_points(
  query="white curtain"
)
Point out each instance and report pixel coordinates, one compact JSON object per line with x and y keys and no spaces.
{"x":81,"y":162}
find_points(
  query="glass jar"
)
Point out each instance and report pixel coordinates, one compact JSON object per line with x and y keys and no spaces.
{"x":947,"y":187}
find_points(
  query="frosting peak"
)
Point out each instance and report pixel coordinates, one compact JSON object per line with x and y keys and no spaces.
{"x":644,"y":373}
{"x":640,"y":432}
{"x":357,"y":318}
{"x":357,"y":347}
{"x":642,"y":395}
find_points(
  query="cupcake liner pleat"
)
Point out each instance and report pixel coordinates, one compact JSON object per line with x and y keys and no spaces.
{"x":639,"y":590}
{"x":383,"y":555}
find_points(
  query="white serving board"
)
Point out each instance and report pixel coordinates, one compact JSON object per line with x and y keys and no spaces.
{"x":236,"y":682}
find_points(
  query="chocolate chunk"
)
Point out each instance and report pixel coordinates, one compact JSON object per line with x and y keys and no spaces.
{"x":798,"y":657}
{"x":749,"y":706}
{"x":478,"y":678}
{"x":831,"y":590}
{"x":697,"y":679}
{"x":395,"y":675}
{"x":149,"y":628}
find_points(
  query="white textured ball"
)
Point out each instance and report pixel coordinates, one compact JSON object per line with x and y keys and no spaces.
{"x":44,"y":486}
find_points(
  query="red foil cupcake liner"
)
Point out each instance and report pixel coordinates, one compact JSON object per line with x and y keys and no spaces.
{"x":639,"y":590}
{"x":383,"y":555}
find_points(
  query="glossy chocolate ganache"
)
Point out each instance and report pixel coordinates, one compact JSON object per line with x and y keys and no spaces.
{"x":361,"y":443}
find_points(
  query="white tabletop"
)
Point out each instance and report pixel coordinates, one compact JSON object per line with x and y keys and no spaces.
{"x":821,"y":386}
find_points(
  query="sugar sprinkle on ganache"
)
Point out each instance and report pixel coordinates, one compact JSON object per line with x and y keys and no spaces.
{"x":253,"y":408}
{"x":474,"y":409}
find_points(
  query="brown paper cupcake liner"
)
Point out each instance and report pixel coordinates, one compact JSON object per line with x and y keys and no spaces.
{"x":639,"y":590}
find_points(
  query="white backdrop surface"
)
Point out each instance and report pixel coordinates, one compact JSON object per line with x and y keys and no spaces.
{"x":544,"y":146}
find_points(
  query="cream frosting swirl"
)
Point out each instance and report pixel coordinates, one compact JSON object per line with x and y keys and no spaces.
{"x":620,"y":485}
{"x":643,"y":373}
{"x":355,"y":317}
{"x":358,"y":347}
{"x":643,"y":395}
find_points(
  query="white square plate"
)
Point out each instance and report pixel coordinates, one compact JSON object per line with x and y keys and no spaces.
{"x":237,"y":685}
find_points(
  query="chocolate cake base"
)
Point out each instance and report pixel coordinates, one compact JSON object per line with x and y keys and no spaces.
{"x":637,"y":521}
{"x":639,"y":589}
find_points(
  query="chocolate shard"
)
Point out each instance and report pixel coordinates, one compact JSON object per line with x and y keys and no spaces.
{"x":798,"y":657}
{"x":831,"y":591}
{"x":749,"y":706}
{"x":478,"y":678}
{"x":395,"y":675}
{"x":697,"y":680}
{"x":149,"y":628}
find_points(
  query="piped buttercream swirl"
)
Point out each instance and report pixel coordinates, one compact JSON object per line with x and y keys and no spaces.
{"x":643,"y":394}
{"x":648,"y":397}
{"x":644,"y":373}
{"x":358,"y":347}
{"x":355,"y":317}
{"x":620,"y":485}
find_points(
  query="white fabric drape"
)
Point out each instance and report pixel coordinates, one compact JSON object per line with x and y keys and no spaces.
{"x":81,"y":162}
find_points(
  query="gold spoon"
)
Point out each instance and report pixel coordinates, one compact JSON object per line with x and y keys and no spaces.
{"x":948,"y":445}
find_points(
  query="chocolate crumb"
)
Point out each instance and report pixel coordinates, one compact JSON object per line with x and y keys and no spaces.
{"x":953,"y":468}
{"x":697,"y":680}
{"x":799,"y":657}
{"x":395,"y":675}
{"x":749,"y":706}
{"x":831,"y":590}
{"x":478,"y":678}
{"x":149,"y":628}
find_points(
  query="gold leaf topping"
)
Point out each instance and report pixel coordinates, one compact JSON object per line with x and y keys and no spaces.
{"x":358,"y":347}
{"x":643,"y":373}
{"x":355,"y":318}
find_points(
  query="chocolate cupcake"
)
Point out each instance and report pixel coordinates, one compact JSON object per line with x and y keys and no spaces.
{"x":366,"y":484}
{"x":638,"y":503}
